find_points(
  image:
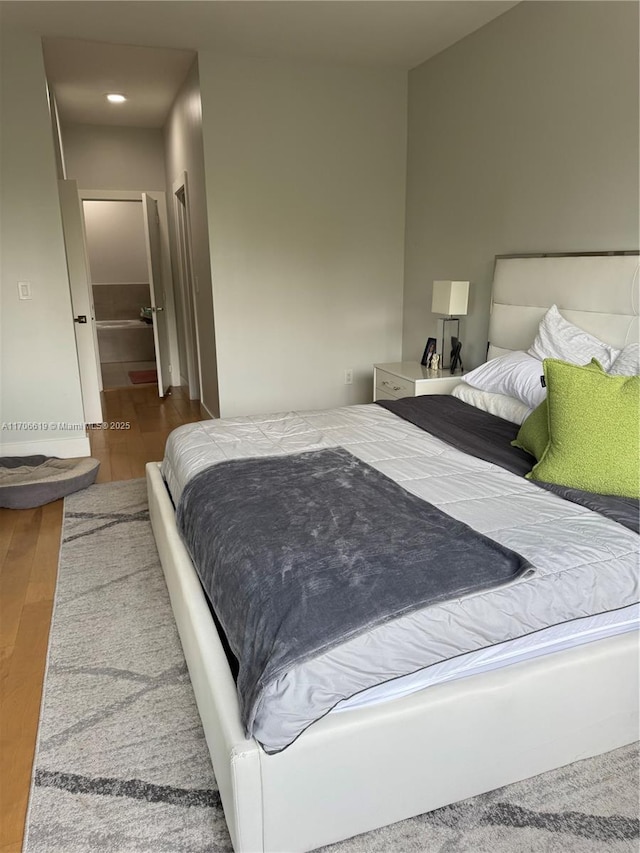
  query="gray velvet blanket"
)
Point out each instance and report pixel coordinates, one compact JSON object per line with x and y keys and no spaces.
{"x":301,"y":553}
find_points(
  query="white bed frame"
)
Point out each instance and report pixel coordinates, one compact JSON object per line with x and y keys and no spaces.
{"x":360,"y":770}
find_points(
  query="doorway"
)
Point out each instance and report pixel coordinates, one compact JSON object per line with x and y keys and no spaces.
{"x":121,"y":293}
{"x":126,"y":268}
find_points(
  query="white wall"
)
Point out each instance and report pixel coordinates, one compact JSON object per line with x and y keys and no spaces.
{"x":305,"y":170}
{"x":116,"y":242}
{"x":40,"y":381}
{"x":114,"y":158}
{"x":184,"y":153}
{"x":523,"y":137}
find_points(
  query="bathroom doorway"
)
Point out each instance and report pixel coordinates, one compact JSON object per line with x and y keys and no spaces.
{"x":115,"y":233}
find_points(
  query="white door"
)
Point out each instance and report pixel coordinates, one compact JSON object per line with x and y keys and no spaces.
{"x":81,"y":300}
{"x":157,"y":292}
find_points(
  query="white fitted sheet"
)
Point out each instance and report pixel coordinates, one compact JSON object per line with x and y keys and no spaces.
{"x":566,"y":635}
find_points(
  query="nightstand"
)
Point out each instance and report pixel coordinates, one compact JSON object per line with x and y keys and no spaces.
{"x":410,"y":379}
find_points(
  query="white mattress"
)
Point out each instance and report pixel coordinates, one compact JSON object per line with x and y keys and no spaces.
{"x":566,"y":543}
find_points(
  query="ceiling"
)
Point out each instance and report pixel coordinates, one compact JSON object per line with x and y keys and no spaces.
{"x":83,"y":72}
{"x":372,"y":33}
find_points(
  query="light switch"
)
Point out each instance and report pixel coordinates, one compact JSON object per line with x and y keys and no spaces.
{"x":24,"y":290}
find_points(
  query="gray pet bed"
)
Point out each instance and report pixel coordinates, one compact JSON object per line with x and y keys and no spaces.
{"x":28,"y":481}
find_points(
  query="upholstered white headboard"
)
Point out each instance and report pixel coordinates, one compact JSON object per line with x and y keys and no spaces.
{"x":598,"y":293}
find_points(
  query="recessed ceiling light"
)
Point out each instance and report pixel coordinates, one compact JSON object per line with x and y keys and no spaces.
{"x":116,"y":99}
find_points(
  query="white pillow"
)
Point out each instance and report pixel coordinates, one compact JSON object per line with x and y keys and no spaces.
{"x":628,"y":362}
{"x":500,"y":405}
{"x":516,"y":375}
{"x":558,"y":338}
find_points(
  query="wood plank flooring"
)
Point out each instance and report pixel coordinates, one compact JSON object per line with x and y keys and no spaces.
{"x":29,"y":552}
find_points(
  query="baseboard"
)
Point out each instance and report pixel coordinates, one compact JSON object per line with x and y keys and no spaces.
{"x":65,"y":448}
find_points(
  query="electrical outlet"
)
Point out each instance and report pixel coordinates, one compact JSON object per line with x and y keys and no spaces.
{"x":348,"y":376}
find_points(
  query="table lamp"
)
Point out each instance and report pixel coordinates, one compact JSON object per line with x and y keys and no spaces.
{"x":450,"y":298}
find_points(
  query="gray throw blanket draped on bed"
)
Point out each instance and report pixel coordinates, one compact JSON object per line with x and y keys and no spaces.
{"x":300,"y":553}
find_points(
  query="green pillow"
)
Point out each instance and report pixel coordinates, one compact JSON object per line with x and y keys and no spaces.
{"x":533,"y":435}
{"x":594,"y":435}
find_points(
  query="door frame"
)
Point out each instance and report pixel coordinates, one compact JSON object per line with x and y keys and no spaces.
{"x":170,"y":310}
{"x":188,"y":285}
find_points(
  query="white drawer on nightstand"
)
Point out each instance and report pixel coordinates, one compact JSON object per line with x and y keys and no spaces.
{"x":410,"y":379}
{"x":397,"y":386}
{"x":382,"y":394}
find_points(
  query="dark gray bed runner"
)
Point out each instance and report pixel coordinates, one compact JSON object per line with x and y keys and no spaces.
{"x":300,"y":553}
{"x":488,"y":437}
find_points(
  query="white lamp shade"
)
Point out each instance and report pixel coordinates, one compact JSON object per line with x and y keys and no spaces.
{"x":450,"y":298}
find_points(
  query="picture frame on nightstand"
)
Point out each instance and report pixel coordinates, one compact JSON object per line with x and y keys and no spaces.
{"x":429,"y":352}
{"x":456,"y":358}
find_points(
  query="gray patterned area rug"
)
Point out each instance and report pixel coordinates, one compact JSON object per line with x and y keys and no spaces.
{"x":122,"y":764}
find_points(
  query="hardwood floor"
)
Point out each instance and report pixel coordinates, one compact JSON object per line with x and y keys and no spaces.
{"x":29,"y":551}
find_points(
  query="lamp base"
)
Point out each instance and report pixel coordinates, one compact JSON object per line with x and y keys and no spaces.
{"x":450,"y":329}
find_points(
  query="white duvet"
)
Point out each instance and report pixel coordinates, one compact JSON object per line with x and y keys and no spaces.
{"x":585,"y":564}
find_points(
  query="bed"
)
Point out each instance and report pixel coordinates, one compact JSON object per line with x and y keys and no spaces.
{"x":425,"y":745}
